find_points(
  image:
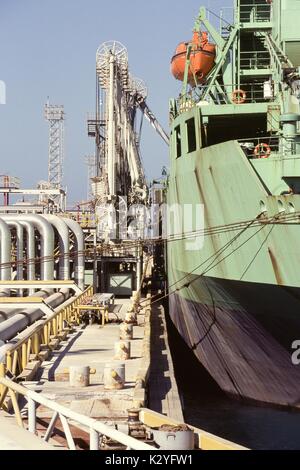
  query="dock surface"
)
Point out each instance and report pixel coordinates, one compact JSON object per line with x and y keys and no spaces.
{"x":93,"y":346}
{"x":13,"y":437}
{"x":163,"y":391}
{"x":149,"y":374}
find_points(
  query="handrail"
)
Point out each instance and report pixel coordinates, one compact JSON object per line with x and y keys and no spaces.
{"x":16,"y":355}
{"x":278,"y":144}
{"x":221,"y":94}
{"x":251,"y":146}
{"x":254,"y":12}
{"x":96,"y":428}
{"x":255,"y":59}
{"x":86,"y":218}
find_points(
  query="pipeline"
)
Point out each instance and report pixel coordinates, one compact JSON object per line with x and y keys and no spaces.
{"x":14,"y":321}
{"x":47,"y":240}
{"x":44,"y":224}
{"x":30,"y":250}
{"x":4,"y":347}
{"x":79,"y":248}
{"x":20,"y":247}
{"x":64,"y":247}
{"x":5,"y":314}
{"x":5,"y":270}
{"x":11,"y":327}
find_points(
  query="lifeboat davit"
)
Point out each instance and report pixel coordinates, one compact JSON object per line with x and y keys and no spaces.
{"x":202,"y":59}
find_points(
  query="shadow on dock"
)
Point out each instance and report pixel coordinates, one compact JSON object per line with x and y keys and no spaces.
{"x":163,"y":392}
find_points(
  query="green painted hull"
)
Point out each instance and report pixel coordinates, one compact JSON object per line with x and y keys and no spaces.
{"x":239,"y":312}
{"x":235,"y":149}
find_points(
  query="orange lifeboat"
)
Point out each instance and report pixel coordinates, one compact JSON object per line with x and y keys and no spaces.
{"x":202,"y":59}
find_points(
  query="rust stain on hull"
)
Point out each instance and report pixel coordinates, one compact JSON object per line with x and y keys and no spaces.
{"x":275,"y":267}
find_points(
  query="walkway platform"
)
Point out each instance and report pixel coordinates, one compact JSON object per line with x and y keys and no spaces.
{"x":149,"y":374}
{"x":163,"y":392}
{"x":93,"y":346}
{"x":12,"y":437}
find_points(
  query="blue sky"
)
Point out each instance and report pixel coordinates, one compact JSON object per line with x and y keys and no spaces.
{"x":48,"y":48}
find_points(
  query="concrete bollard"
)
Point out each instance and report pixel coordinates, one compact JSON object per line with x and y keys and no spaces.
{"x":122,"y":350}
{"x":79,"y":376}
{"x":135,"y":296}
{"x":126,"y":330}
{"x":114,"y":376}
{"x":130,"y":317}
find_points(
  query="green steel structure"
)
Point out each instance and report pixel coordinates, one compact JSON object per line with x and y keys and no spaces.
{"x":235,"y":148}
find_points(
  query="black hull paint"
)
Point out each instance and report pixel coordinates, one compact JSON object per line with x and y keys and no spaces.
{"x":244,"y":338}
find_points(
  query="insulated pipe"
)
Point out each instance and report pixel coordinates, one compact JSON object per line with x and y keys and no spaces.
{"x":79,"y":248}
{"x":47,"y":240}
{"x":20,"y":249}
{"x":20,"y":246}
{"x":11,"y":327}
{"x":30,"y":252}
{"x":7,"y":346}
{"x":64,"y":247}
{"x":5,"y":251}
{"x":20,"y":252}
{"x":6,"y":313}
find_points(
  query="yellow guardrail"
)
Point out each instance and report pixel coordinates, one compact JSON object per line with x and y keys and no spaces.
{"x":85,"y":219}
{"x":42,"y":337}
{"x":28,"y":284}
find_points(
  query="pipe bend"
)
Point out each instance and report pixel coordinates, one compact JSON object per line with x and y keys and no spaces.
{"x":30,"y":245}
{"x":20,"y":246}
{"x":47,"y":245}
{"x":5,"y":253}
{"x":64,"y":246}
{"x":79,"y":248}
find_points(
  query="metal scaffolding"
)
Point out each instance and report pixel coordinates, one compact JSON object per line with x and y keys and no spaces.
{"x":55,"y":115}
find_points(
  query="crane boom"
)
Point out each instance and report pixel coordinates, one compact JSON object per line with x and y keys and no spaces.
{"x":152,"y":119}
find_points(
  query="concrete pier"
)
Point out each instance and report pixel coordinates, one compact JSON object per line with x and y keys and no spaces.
{"x":93,"y":346}
{"x":13,"y":437}
{"x":75,"y":374}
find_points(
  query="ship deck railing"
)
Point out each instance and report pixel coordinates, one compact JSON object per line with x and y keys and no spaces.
{"x":225,"y":94}
{"x":265,"y":146}
{"x":260,"y":147}
{"x":251,"y":60}
{"x":254,"y":13}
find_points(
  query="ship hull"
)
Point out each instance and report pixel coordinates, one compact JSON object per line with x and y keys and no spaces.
{"x":235,"y":300}
{"x":244,"y":347}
